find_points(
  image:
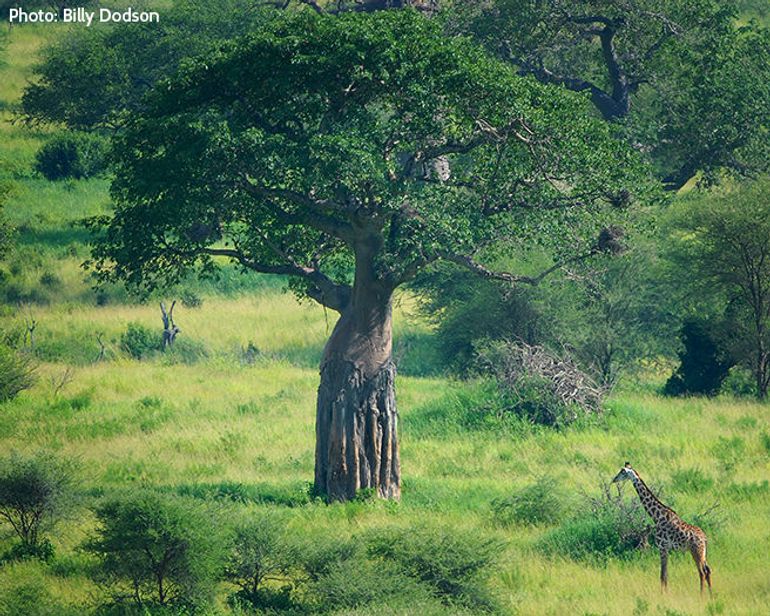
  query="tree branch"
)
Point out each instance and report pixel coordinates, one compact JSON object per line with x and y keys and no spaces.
{"x":322,"y":289}
{"x":606,"y":105}
{"x":620,"y":92}
{"x":471,"y":265}
{"x":311,"y":212}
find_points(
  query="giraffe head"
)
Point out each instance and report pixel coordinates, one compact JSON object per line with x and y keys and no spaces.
{"x":626,"y":473}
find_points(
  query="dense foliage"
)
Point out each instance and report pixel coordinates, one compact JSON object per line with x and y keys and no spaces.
{"x":722,"y":242}
{"x":680,"y":78}
{"x":72,"y":155}
{"x":291,"y":214}
{"x":17,"y":372}
{"x":157,"y":550}
{"x":36,"y":492}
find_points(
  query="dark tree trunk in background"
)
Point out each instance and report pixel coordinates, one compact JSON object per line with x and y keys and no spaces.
{"x":356,"y":418}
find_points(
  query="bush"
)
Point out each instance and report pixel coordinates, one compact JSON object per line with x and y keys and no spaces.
{"x":538,"y":503}
{"x":450,"y":562}
{"x":50,"y":280}
{"x":607,"y":526}
{"x":468,"y":309}
{"x":17,"y":373}
{"x":740,"y":382}
{"x":259,"y":554}
{"x":318,"y":557}
{"x":190,"y":299}
{"x":72,"y":155}
{"x":359,"y":583}
{"x":539,"y":386}
{"x":139,"y":341}
{"x":704,"y":365}
{"x":157,"y":550}
{"x":35,"y":493}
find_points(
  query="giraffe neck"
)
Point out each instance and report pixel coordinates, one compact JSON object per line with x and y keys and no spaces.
{"x":652,"y":505}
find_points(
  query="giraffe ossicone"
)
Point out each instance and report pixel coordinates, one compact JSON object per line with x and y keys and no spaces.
{"x":671,"y":532}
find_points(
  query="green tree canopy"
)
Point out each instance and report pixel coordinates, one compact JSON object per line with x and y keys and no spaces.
{"x":316,"y":124}
{"x":93,"y":77}
{"x":721,"y":242}
{"x":689,"y":84}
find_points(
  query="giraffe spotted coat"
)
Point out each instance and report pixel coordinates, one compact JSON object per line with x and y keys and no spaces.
{"x":671,"y":532}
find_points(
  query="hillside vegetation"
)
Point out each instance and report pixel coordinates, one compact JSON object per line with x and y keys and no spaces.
{"x":226,"y":421}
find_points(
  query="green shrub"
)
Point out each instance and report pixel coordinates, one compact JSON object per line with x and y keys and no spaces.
{"x":452,"y":563}
{"x":190,"y":299}
{"x":36,"y":492}
{"x":538,"y":503}
{"x":50,"y":280}
{"x":604,"y":527}
{"x":139,"y":341}
{"x":72,"y":155}
{"x":260,"y":554}
{"x":360,"y":583}
{"x":158,"y":550}
{"x":316,"y":557}
{"x":740,"y":383}
{"x":17,"y":373}
{"x":467,"y":309}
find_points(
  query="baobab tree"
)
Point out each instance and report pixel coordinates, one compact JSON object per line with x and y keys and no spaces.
{"x":347,"y":153}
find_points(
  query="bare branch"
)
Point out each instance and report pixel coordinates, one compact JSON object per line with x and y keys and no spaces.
{"x":469,"y":264}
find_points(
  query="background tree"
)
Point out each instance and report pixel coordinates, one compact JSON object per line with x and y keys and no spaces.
{"x":688,"y":84}
{"x":92,"y":77}
{"x":36,"y":492}
{"x":722,"y":241}
{"x":605,"y":313}
{"x":680,"y":79}
{"x":319,"y":136}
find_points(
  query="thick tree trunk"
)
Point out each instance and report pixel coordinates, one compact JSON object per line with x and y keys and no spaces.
{"x":356,"y":432}
{"x":356,"y":418}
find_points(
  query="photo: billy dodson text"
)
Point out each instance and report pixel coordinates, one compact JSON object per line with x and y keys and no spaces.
{"x":80,"y":15}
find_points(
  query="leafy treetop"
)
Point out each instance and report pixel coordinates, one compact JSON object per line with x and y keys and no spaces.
{"x":323,"y":141}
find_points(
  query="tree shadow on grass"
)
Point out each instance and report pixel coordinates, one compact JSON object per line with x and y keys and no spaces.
{"x":289,"y":494}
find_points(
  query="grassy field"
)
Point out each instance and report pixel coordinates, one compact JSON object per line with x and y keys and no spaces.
{"x":245,"y":416}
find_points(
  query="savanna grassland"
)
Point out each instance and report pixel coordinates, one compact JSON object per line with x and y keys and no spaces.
{"x":230,"y":418}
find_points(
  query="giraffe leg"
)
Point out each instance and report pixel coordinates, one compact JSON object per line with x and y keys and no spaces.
{"x":707,"y":573}
{"x":704,"y":571}
{"x":663,"y":570}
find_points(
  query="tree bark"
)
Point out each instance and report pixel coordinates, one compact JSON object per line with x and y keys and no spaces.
{"x":356,"y":417}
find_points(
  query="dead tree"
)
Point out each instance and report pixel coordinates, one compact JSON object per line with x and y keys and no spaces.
{"x":100,"y":341}
{"x":60,"y":381}
{"x":169,"y":329}
{"x":30,"y":324}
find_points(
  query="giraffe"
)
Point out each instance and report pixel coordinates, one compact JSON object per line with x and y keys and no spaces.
{"x":671,"y":532}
